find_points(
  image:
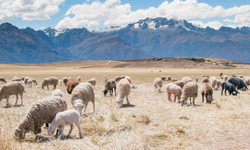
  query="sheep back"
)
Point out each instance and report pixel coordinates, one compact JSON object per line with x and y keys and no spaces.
{"x":190,"y":89}
{"x":186,"y":79}
{"x":179,"y":83}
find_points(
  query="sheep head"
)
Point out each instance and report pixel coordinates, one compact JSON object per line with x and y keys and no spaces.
{"x":19,"y":133}
{"x":79,"y":106}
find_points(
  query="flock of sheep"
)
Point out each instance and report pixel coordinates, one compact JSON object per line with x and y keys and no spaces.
{"x":53,"y":109}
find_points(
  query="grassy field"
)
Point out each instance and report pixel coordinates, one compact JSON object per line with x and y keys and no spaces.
{"x":151,"y":122}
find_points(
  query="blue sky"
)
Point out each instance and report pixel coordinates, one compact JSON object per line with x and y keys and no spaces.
{"x":94,"y":14}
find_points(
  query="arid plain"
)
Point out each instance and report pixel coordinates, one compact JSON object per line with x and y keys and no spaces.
{"x":151,"y":122}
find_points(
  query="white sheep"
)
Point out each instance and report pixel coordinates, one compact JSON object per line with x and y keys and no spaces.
{"x":213,"y":82}
{"x":92,"y":81}
{"x":247,"y":80}
{"x":158,"y":84}
{"x":207,"y":91}
{"x":12,"y":88}
{"x":186,"y":80}
{"x":40,"y":112}
{"x":60,"y":82}
{"x":172,"y":88}
{"x":61,"y":119}
{"x":123,"y":88}
{"x":189,"y":90}
{"x":81,"y":95}
{"x":50,"y":81}
{"x":57,"y":92}
{"x":79,"y":79}
{"x":179,"y":83}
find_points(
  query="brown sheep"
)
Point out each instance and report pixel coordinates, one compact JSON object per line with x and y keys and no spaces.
{"x":71,"y":84}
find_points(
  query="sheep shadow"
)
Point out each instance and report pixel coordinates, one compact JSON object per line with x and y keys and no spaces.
{"x":9,"y":106}
{"x":127,"y":105}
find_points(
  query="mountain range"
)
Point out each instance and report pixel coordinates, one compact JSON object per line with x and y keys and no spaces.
{"x":146,"y":38}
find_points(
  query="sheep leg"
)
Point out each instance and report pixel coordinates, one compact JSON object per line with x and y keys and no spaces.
{"x":194,"y":100}
{"x":16,"y":99}
{"x":222,"y":91}
{"x":7,"y":101}
{"x":61,"y":131}
{"x":202,"y":97}
{"x":21,"y":95}
{"x":47,"y":87}
{"x":93,"y":102}
{"x":115,"y":91}
{"x":169,"y":96}
{"x":54,"y":87}
{"x":79,"y":129}
{"x":175,"y":98}
{"x":70,"y":130}
{"x":128,"y":101}
{"x":85,"y":107}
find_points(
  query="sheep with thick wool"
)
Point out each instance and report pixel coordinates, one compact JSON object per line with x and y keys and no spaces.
{"x":12,"y":88}
{"x":158,"y":84}
{"x":81,"y":95}
{"x":64,"y":118}
{"x":123,"y":88}
{"x":50,"y":81}
{"x":40,"y":112}
{"x":172,"y":88}
{"x":207,"y":91}
{"x":189,"y":90}
{"x":110,"y":85}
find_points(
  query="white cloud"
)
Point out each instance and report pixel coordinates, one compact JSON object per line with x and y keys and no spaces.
{"x":213,"y":24}
{"x":113,"y":13}
{"x":28,"y":9}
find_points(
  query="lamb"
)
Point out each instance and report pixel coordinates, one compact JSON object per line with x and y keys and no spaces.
{"x":12,"y":88}
{"x":65,"y":80}
{"x":123,"y":88}
{"x":186,"y":80}
{"x":247,"y":80}
{"x":60,"y":82}
{"x":81,"y":95}
{"x":239,"y":83}
{"x":110,"y":85}
{"x":64,"y":118}
{"x":40,"y":112}
{"x":218,"y":84}
{"x":172,"y":88}
{"x":3,"y":79}
{"x":158,"y":84}
{"x":228,"y":87}
{"x":79,"y":79}
{"x":92,"y":81}
{"x":207,"y":91}
{"x":213,"y":82}
{"x":50,"y":81}
{"x":179,"y":83}
{"x":71,"y":84}
{"x":189,"y":90}
{"x":204,"y":79}
{"x":29,"y":83}
{"x":57,"y":92}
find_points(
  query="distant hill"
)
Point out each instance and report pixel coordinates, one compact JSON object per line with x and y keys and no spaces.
{"x":173,"y":38}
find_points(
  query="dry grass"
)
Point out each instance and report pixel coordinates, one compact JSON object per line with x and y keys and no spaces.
{"x":151,"y":123}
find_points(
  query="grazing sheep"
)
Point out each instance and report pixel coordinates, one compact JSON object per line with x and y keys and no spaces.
{"x":118,"y":78}
{"x":57,"y":92}
{"x":12,"y":88}
{"x":213,"y":82}
{"x":29,"y":83}
{"x":92,"y":81}
{"x":179,"y":83}
{"x":164,"y":78}
{"x":174,"y":80}
{"x":40,"y":112}
{"x":79,"y":79}
{"x":65,"y":80}
{"x":158,"y":84}
{"x":81,"y":95}
{"x":186,"y":80}
{"x":64,"y":118}
{"x":123,"y":88}
{"x":128,"y":78}
{"x":34,"y":81}
{"x":172,"y":88}
{"x":218,"y":84}
{"x":168,"y":78}
{"x":50,"y":81}
{"x":207,"y":91}
{"x":3,"y":79}
{"x":204,"y":79}
{"x":228,"y":87}
{"x":189,"y":90}
{"x":110,"y":85}
{"x":247,"y":80}
{"x":60,"y":82}
{"x":71,"y":84}
{"x":238,"y":83}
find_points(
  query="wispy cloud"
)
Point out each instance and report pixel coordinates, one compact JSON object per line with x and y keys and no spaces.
{"x":28,"y":9}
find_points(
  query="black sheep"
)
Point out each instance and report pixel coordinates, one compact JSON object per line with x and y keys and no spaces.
{"x":238,"y":83}
{"x":228,"y":87}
